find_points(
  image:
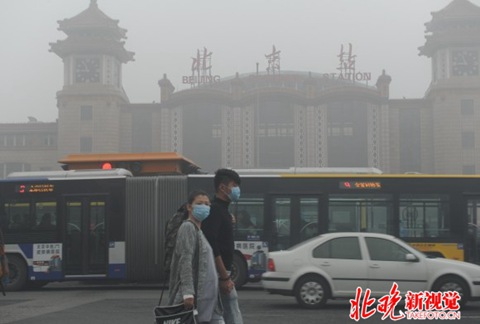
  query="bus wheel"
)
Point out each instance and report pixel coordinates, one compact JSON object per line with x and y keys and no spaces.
{"x":18,"y":273}
{"x":239,"y":271}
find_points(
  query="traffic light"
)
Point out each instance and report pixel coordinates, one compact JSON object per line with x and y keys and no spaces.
{"x":134,"y":167}
{"x":106,"y":166}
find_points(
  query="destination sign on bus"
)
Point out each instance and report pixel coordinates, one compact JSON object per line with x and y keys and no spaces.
{"x":34,"y":188}
{"x":360,"y":185}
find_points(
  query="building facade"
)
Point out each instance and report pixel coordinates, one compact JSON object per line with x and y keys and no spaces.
{"x":265,"y":120}
{"x":453,"y":44}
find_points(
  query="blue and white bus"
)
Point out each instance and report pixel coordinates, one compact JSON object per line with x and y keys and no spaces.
{"x":64,"y":225}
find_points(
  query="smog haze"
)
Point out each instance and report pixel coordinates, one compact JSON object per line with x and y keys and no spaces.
{"x":165,"y":35}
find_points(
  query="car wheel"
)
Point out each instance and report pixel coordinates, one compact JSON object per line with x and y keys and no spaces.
{"x":18,"y":273}
{"x":239,"y":271}
{"x":453,"y":283}
{"x":312,"y":292}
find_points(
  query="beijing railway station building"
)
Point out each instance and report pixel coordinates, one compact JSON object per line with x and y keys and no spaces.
{"x":271,"y":119}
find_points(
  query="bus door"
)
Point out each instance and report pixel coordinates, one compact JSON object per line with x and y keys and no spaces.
{"x":85,"y":251}
{"x":473,"y":237}
{"x":295,"y":219}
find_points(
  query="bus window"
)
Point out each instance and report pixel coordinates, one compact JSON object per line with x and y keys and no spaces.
{"x":47,"y":223}
{"x":17,"y":216}
{"x":308,"y":218}
{"x":249,"y":219}
{"x":45,"y":215}
{"x":361,"y":213}
{"x":97,"y":240}
{"x":73,"y":244}
{"x":281,"y":213}
{"x":424,"y":216}
{"x":473,"y":233}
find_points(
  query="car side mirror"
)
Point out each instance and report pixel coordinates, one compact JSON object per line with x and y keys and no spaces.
{"x":411,"y":257}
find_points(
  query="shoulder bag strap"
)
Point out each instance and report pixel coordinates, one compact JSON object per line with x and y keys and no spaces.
{"x":197,"y":262}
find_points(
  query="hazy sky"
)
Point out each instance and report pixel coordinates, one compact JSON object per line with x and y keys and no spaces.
{"x":165,"y":34}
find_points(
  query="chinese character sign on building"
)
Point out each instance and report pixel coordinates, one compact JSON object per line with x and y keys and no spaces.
{"x":347,"y":67}
{"x":273,"y":61}
{"x":201,"y":69}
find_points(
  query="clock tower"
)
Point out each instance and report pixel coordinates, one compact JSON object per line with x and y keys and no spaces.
{"x":89,"y":105}
{"x":453,"y":44}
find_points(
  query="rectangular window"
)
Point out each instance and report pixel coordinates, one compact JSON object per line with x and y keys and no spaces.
{"x":308,"y":218}
{"x":216,"y":132}
{"x":424,"y":216}
{"x":468,"y":139}
{"x":10,"y":140}
{"x":86,"y":144}
{"x":86,"y":113}
{"x":339,"y":248}
{"x":17,"y":214}
{"x":361,"y":213}
{"x":380,"y":249}
{"x":466,"y":106}
{"x":45,"y":216}
{"x":249,"y":219}
{"x":49,"y":140}
{"x":282,"y":211}
{"x":30,"y":222}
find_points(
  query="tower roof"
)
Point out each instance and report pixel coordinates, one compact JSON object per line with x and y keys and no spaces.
{"x":92,"y":32}
{"x":92,"y":18}
{"x":458,"y":24}
{"x":457,"y":9}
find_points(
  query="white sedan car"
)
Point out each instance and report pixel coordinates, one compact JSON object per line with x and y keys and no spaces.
{"x":333,"y":265}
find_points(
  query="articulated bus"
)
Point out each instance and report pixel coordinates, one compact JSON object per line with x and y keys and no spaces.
{"x":110,"y":225}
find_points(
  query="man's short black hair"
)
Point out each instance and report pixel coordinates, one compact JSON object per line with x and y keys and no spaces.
{"x":225,"y":176}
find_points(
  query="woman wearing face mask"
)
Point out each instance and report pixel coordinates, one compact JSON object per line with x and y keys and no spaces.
{"x":194,"y":279}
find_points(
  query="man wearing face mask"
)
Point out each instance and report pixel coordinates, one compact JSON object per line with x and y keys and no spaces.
{"x":218,"y":229}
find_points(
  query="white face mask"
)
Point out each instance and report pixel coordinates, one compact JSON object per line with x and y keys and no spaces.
{"x":200,"y":212}
{"x":234,"y":194}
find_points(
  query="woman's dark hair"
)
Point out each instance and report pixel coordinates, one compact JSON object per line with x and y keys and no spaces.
{"x":224,"y":176}
{"x":194,"y":194}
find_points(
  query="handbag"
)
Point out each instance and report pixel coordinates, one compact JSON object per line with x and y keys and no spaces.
{"x":174,"y":314}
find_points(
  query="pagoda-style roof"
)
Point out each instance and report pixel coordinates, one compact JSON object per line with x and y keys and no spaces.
{"x":92,"y":18}
{"x":457,"y":9}
{"x":458,"y":24}
{"x":92,"y":31}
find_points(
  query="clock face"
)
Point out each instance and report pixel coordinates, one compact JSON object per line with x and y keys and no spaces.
{"x":87,"y":69}
{"x":465,"y":62}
